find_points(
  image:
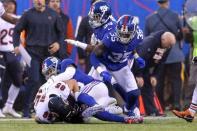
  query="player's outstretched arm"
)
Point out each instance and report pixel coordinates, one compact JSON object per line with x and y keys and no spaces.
{"x":84,"y":46}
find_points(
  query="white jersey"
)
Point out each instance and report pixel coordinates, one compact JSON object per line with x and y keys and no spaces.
{"x":43,"y":96}
{"x":6,"y":33}
{"x":2,"y":10}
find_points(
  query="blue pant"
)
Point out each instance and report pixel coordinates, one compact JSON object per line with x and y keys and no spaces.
{"x":35,"y":80}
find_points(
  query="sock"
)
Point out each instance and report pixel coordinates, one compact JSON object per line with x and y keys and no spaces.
{"x":86,"y":99}
{"x":12,"y":95}
{"x":193,"y":106}
{"x":194,"y":97}
{"x":132,"y":100}
{"x":106,"y":116}
{"x":193,"y":109}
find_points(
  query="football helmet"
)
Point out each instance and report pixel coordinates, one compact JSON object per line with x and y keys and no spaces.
{"x":126,"y":28}
{"x":50,"y":66}
{"x":99,"y":14}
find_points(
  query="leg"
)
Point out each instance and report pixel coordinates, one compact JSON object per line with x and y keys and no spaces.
{"x":176,"y":80}
{"x":104,"y":115}
{"x":126,"y":80}
{"x":147,"y":95}
{"x":15,"y":73}
{"x":32,"y":84}
{"x":2,"y":72}
{"x":189,"y":114}
{"x":102,"y":98}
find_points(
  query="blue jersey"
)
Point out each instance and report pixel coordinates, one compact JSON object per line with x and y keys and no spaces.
{"x":116,"y":53}
{"x":101,"y":31}
{"x":79,"y":75}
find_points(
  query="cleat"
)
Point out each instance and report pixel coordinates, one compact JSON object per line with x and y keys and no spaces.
{"x":90,"y":111}
{"x":184,"y":115}
{"x":11,"y":111}
{"x":1,"y":114}
{"x":134,"y":120}
{"x":114,"y":109}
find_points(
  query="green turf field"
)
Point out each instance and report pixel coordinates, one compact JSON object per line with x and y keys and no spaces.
{"x":150,"y":124}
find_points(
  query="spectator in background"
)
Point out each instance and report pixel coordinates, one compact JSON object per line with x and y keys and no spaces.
{"x":167,"y":20}
{"x":67,"y":23}
{"x":9,"y":62}
{"x":45,"y":36}
{"x":154,"y":50}
{"x":84,"y":35}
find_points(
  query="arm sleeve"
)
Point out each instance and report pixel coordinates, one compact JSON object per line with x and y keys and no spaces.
{"x":94,"y":60}
{"x":21,"y":25}
{"x":66,"y":75}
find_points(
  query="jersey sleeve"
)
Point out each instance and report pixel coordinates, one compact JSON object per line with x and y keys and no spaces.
{"x":67,"y":62}
{"x":106,"y":40}
{"x":2,"y":10}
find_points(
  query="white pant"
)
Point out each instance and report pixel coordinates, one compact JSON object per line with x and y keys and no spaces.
{"x":124,"y":77}
{"x":99,"y":91}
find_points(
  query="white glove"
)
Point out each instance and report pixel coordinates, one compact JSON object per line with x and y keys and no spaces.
{"x":77,"y":43}
{"x":72,"y":42}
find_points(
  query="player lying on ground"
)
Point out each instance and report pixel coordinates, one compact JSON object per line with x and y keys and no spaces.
{"x":92,"y":92}
{"x":55,"y":102}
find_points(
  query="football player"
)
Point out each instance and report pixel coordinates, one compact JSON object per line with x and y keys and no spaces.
{"x":9,"y":60}
{"x":55,"y":102}
{"x":113,"y":52}
{"x":89,"y":87}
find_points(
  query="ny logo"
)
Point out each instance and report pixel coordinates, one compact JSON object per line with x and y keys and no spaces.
{"x":104,"y":8}
{"x":135,"y":20}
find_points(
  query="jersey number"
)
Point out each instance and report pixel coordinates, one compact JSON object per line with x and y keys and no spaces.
{"x":39,"y":97}
{"x":119,"y":57}
{"x":60,"y":86}
{"x":4,"y":33}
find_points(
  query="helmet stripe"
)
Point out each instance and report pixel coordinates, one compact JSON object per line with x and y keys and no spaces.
{"x":125,"y":22}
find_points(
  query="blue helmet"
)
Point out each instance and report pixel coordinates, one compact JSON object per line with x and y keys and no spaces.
{"x":99,"y":14}
{"x":50,"y":66}
{"x":126,"y":28}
